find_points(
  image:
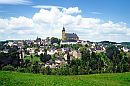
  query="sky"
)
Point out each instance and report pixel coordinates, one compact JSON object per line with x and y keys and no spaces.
{"x":93,"y":20}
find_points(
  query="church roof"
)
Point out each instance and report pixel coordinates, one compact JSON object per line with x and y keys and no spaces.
{"x":71,"y":35}
{"x":70,"y":41}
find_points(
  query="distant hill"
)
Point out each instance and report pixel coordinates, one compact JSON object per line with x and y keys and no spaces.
{"x":126,"y":43}
{"x":25,"y":79}
{"x":108,"y":42}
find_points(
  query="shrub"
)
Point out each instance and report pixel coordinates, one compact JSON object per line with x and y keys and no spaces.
{"x":42,"y":70}
{"x":48,"y":70}
{"x":53,"y":71}
{"x":21,"y":70}
{"x":8,"y":68}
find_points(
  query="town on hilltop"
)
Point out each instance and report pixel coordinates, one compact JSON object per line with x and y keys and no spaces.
{"x":64,"y":42}
{"x":53,"y":52}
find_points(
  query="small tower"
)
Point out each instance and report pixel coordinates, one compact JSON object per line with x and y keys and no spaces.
{"x":63,"y":34}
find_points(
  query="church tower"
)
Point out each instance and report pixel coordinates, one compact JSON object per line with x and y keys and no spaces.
{"x":63,"y":34}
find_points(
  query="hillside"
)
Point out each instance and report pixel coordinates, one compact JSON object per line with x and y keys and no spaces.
{"x":25,"y":79}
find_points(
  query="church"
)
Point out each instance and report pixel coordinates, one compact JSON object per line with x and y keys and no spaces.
{"x":69,"y":38}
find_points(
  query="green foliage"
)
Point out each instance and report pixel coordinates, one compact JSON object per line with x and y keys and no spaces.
{"x":113,"y":61}
{"x":112,"y":51}
{"x":54,"y":71}
{"x":8,"y":68}
{"x":23,"y":70}
{"x":45,"y":57}
{"x":36,"y":68}
{"x":55,"y":40}
{"x":32,"y":58}
{"x":63,"y":70}
{"x":47,"y":70}
{"x":53,"y":57}
{"x":85,"y":54}
{"x":75,"y":46}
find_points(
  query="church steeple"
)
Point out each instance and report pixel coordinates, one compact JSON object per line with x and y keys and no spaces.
{"x":63,"y":29}
{"x":63,"y":34}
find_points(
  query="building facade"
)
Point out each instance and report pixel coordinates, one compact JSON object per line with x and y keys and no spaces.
{"x":69,"y":37}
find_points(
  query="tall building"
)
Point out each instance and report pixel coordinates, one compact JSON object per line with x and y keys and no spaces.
{"x":63,"y":34}
{"x":69,"y":37}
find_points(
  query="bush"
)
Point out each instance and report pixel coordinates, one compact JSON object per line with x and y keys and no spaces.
{"x":54,"y":71}
{"x":42,"y":70}
{"x":48,"y":70}
{"x":21,"y":70}
{"x":8,"y":68}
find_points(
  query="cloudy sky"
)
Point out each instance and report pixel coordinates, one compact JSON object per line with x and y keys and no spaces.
{"x":94,"y":20}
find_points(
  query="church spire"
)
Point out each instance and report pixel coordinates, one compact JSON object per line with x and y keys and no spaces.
{"x":63,"y":34}
{"x":63,"y":29}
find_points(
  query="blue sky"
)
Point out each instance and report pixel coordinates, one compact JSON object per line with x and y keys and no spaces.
{"x":113,"y":13}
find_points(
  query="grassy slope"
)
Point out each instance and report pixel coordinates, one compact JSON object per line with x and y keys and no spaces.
{"x":25,"y":79}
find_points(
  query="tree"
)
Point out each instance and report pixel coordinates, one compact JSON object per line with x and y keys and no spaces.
{"x":55,"y":40}
{"x":48,"y":70}
{"x":100,"y":62}
{"x":68,"y":58}
{"x":128,"y":54}
{"x":123,"y":66}
{"x":45,"y":57}
{"x":85,"y":54}
{"x":36,"y":67}
{"x":106,"y":64}
{"x":75,"y":46}
{"x":85,"y":59}
{"x":11,"y":58}
{"x":74,"y":70}
{"x":112,"y":51}
{"x":75,"y":62}
{"x":32,"y":57}
{"x":64,"y":70}
{"x":48,"y":38}
{"x":94,"y":63}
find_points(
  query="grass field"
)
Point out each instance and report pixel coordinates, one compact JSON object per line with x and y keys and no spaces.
{"x":25,"y":79}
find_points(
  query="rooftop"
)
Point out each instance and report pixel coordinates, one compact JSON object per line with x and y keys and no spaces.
{"x":71,"y":35}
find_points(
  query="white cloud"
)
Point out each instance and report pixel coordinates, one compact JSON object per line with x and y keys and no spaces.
{"x":49,"y":22}
{"x":66,"y":20}
{"x":47,"y":16}
{"x":20,"y":22}
{"x":15,"y":2}
{"x":71,"y":10}
{"x":97,"y":13}
{"x":3,"y":23}
{"x":89,"y":23}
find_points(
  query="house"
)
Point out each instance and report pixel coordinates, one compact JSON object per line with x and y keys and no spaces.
{"x":10,"y":43}
{"x":40,"y":52}
{"x":68,"y":42}
{"x":125,"y":49}
{"x":66,"y":54}
{"x":97,"y":49}
{"x":51,"y":52}
{"x":50,"y":63}
{"x":76,"y":54}
{"x":31,"y":50}
{"x":59,"y":61}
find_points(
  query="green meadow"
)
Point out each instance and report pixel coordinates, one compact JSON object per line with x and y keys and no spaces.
{"x":8,"y":78}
